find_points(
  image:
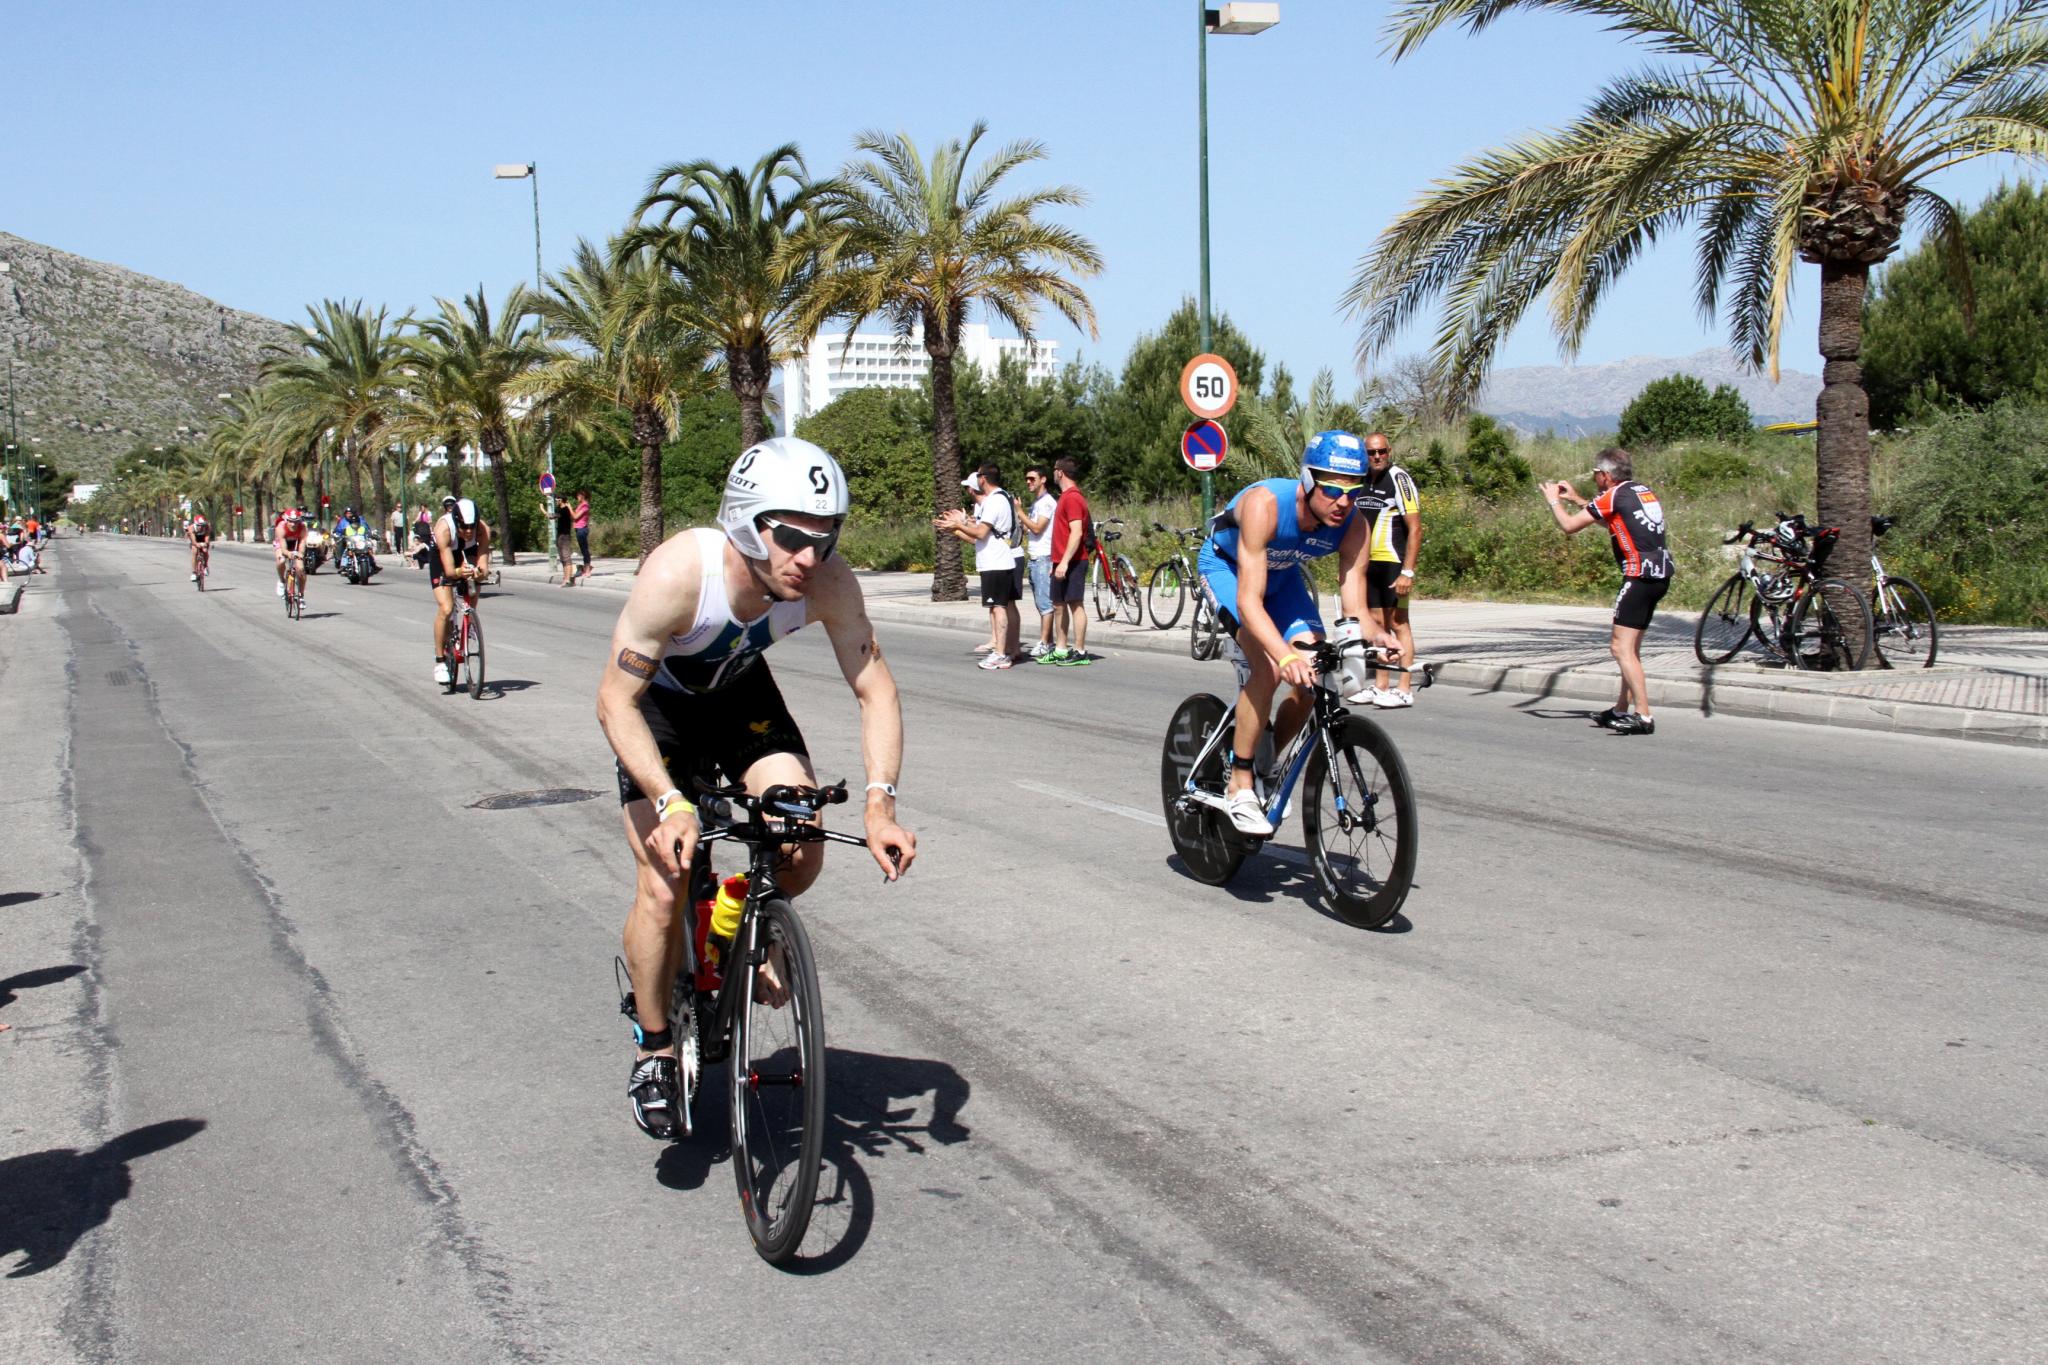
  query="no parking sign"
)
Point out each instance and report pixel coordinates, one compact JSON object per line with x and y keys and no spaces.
{"x":1203,"y":445}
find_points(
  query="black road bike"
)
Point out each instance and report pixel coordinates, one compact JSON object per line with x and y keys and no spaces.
{"x":1358,"y":813}
{"x":1779,"y":597}
{"x":775,"y":1051}
{"x":1173,"y":578}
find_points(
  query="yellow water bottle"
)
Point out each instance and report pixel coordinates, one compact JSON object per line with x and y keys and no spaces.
{"x":725,"y":911}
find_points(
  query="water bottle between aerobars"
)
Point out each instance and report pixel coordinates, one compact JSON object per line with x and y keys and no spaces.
{"x":718,"y":920}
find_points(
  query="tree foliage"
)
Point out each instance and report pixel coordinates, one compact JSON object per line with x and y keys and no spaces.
{"x":1679,"y":407}
{"x":881,"y":439}
{"x":1491,"y":468}
{"x":1138,"y":450}
{"x":1920,"y":350}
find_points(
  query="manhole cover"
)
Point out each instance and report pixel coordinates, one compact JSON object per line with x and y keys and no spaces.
{"x":547,"y":796}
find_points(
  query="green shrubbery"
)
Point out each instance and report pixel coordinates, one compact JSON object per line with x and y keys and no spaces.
{"x":1679,"y":408}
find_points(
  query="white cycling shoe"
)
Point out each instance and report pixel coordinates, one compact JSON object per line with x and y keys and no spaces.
{"x":280,"y":590}
{"x":1247,"y":816}
{"x":441,"y":670}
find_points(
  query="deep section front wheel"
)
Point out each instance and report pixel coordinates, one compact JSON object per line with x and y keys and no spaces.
{"x":473,"y":656}
{"x":1904,"y":625}
{"x":1166,"y":592}
{"x":1358,"y":816}
{"x":1208,"y":847}
{"x":1829,"y":629}
{"x":1725,"y":625}
{"x":778,"y":1084}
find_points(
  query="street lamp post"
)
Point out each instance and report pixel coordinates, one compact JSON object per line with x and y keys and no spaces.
{"x":1230,"y":19}
{"x":530,"y":170}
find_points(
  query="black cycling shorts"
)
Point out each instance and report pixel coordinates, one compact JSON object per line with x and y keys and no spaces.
{"x":705,"y":734}
{"x":1637,"y":601}
{"x":1383,"y":585}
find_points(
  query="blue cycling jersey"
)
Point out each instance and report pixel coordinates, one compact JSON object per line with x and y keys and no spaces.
{"x":1290,"y":544}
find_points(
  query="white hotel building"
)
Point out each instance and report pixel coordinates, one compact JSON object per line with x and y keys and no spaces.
{"x":833,"y":365}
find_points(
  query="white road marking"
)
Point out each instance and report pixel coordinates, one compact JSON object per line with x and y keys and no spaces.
{"x":490,"y":646}
{"x":1146,"y":817}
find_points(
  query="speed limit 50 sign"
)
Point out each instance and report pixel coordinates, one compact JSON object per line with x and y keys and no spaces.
{"x":1208,"y":385}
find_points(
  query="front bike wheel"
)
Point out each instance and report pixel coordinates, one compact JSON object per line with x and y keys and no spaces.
{"x":473,"y":656}
{"x":1130,"y":598}
{"x":1725,"y":624}
{"x":1202,"y":835}
{"x":778,"y":1086}
{"x":1166,"y":592}
{"x":1102,"y":590}
{"x":1904,"y":625}
{"x":1360,"y":823}
{"x":1829,"y":629}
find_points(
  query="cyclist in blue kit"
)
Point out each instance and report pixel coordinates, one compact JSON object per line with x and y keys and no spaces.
{"x":1251,"y":566}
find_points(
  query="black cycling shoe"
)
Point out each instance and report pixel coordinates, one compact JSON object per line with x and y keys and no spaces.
{"x":1633,"y":724}
{"x":656,"y":1093}
{"x":1606,"y":719}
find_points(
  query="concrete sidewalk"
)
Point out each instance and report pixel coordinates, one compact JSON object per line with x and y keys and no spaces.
{"x":1990,"y":682}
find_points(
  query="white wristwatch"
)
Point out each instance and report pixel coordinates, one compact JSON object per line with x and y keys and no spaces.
{"x":887,"y":789}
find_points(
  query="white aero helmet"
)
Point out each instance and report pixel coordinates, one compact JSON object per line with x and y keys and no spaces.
{"x":781,"y":474}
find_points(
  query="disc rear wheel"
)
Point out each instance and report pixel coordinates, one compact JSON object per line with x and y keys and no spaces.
{"x":778,"y":1085}
{"x":1202,"y":835}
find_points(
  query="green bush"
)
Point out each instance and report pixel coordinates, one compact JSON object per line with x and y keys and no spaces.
{"x":1679,"y":407}
{"x":1700,"y":468}
{"x":1492,"y":469}
{"x":1971,"y":495}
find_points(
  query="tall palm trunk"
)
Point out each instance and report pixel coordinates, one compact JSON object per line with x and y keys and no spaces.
{"x":299,"y":490}
{"x":949,"y":578}
{"x":383,"y":492}
{"x":352,"y":452}
{"x":455,"y":465}
{"x":749,"y":370}
{"x":494,"y":450}
{"x":1842,"y":414}
{"x":649,"y":431}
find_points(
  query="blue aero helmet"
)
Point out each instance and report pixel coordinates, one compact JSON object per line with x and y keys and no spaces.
{"x":1333,"y":452}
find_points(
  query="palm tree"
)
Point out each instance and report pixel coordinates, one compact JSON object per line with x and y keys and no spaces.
{"x":725,"y":233}
{"x":632,"y":352}
{"x":919,"y":242}
{"x":337,"y":390}
{"x":473,"y":359}
{"x":1781,"y":130}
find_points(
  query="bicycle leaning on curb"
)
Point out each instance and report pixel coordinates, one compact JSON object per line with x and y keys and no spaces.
{"x":1902,"y":616}
{"x":1779,"y":597}
{"x":1114,"y":578}
{"x":1173,"y":578}
{"x":1358,"y":812}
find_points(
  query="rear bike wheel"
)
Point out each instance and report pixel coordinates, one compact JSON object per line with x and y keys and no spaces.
{"x":1166,"y":592}
{"x":1202,"y":835}
{"x":1101,"y":590}
{"x":1360,"y":823}
{"x":473,"y":656}
{"x":1829,"y":629}
{"x":1130,"y":598}
{"x":1725,"y":625}
{"x":1904,"y":625}
{"x":778,"y":1086}
{"x":1205,"y":632}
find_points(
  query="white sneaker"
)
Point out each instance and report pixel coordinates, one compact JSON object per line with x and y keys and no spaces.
{"x":1040,"y":650}
{"x":280,"y":590}
{"x":441,"y":671}
{"x":195,"y":578}
{"x":1386,"y":698}
{"x":1403,"y":697}
{"x":1247,"y":815}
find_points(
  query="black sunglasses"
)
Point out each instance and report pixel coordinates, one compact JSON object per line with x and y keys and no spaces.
{"x":796,"y":539}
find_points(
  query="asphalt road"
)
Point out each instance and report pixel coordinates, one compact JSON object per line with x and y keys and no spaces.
{"x":1722,"y":1045}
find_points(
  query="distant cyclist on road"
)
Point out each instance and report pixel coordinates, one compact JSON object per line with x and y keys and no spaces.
{"x":288,"y":548}
{"x":461,"y":555}
{"x":199,"y":535}
{"x":1251,"y":566}
{"x":688,"y":693}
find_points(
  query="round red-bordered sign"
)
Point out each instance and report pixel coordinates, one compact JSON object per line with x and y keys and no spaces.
{"x":1208,"y":385}
{"x":1203,"y":445}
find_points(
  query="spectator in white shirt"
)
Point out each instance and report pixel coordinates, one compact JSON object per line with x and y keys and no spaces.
{"x":989,"y":531}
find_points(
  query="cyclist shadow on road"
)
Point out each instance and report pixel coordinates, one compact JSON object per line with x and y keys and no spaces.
{"x":50,"y":1199}
{"x":1275,"y":878}
{"x":873,"y":1107}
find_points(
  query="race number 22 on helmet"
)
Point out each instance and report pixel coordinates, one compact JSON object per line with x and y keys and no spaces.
{"x":781,"y":474}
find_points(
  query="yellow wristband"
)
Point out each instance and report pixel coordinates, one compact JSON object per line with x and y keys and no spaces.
{"x":1290,"y":658}
{"x":672,"y":801}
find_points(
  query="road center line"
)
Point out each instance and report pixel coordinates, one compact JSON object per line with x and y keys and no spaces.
{"x":1143,"y":817}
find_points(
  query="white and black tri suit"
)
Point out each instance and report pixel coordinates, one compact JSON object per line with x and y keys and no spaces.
{"x":466,"y":552}
{"x":713,"y":705}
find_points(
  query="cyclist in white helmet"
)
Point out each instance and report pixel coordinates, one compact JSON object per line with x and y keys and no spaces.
{"x":461,"y":557}
{"x":687,"y":693}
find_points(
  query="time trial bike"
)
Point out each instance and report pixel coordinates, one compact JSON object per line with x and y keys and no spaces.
{"x":465,"y":649}
{"x":1358,"y":810}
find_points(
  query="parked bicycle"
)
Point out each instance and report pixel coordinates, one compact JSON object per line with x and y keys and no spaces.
{"x":1902,"y":618}
{"x":769,"y":1028}
{"x":465,"y":649}
{"x":1205,"y":628}
{"x":1779,"y":597}
{"x":1113,"y":578}
{"x":1358,"y":814}
{"x":1173,"y":578}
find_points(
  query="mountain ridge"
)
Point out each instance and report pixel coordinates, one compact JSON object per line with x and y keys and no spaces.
{"x":1581,"y":400}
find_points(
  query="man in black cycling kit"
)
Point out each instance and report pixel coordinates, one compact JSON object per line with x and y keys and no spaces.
{"x":688,"y":693}
{"x":1635,"y":522}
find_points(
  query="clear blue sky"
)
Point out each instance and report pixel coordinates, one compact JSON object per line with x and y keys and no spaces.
{"x":271,"y":155}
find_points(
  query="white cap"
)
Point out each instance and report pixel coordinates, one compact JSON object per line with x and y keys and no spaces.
{"x":972,"y":481}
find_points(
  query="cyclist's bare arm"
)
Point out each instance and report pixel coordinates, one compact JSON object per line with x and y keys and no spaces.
{"x":1258,"y":515}
{"x":836,"y":602}
{"x":483,"y":547}
{"x":444,"y":546}
{"x":663,"y":602}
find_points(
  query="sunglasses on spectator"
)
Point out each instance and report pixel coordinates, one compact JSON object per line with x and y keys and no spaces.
{"x":796,"y":539}
{"x":1337,"y":492}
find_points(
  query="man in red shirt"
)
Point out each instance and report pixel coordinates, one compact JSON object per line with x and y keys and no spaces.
{"x":1069,"y":567}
